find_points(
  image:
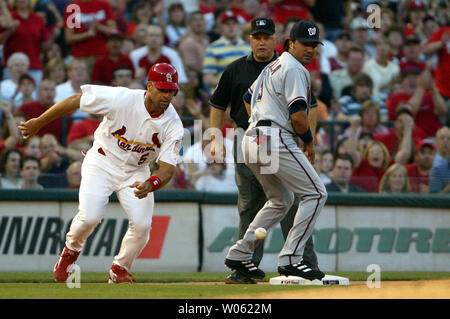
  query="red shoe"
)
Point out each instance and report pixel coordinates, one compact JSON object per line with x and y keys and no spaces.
{"x":63,"y":266}
{"x":118,"y":275}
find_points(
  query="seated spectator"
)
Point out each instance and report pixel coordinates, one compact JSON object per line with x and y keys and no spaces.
{"x":25,"y":91}
{"x":400,"y":140}
{"x":395,"y":180}
{"x":341,"y":175}
{"x":196,"y":161}
{"x":123,"y":76}
{"x":176,"y":24}
{"x":46,"y":98}
{"x":18,"y":64}
{"x":419,"y":171}
{"x":10,"y":166}
{"x":342,"y":78}
{"x":368,"y":121}
{"x":77,"y":74}
{"x":395,"y":41}
{"x":350,"y":105}
{"x":55,"y":70}
{"x":381,"y":70}
{"x":370,"y":167}
{"x":442,"y":146}
{"x":33,"y":148}
{"x":55,"y":160}
{"x":81,"y":134}
{"x":153,"y":36}
{"x":215,"y":178}
{"x":411,"y":54}
{"x":360,"y":35}
{"x":73,"y":175}
{"x":192,"y":46}
{"x":142,"y":15}
{"x":339,"y":61}
{"x":326,"y":166}
{"x":423,"y":97}
{"x":225,"y":50}
{"x":104,"y":66}
{"x":440,"y":178}
{"x":30,"y":173}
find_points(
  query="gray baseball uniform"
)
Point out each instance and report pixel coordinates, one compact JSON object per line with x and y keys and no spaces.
{"x":271,"y":152}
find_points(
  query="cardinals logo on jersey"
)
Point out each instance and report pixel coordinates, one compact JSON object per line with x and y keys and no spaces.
{"x":120,"y":132}
{"x":133,"y":146}
{"x":155,"y":140}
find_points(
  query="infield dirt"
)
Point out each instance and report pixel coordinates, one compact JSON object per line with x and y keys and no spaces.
{"x":421,"y":289}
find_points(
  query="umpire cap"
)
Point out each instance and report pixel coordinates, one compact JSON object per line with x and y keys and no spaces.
{"x":164,"y":76}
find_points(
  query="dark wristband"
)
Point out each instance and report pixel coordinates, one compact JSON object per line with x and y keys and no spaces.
{"x":156,"y":183}
{"x":306,"y":137}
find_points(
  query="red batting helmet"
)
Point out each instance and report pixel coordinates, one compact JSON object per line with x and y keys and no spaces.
{"x":164,"y":76}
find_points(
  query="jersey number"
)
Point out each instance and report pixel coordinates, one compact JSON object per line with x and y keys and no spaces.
{"x":143,"y":158}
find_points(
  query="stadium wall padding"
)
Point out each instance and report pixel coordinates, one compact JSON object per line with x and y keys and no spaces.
{"x":192,"y":231}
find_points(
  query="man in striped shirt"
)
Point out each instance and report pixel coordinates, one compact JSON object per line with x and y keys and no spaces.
{"x":225,"y":50}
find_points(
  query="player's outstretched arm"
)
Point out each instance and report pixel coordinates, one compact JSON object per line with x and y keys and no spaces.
{"x":158,"y":179}
{"x":63,"y":107}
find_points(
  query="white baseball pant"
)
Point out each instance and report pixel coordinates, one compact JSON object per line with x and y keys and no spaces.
{"x":290,"y":173}
{"x":100,"y":178}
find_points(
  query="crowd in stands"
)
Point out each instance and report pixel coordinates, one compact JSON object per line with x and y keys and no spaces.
{"x":381,"y":80}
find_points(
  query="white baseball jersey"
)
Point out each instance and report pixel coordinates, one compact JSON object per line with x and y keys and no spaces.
{"x":128,"y":135}
{"x":280,"y":84}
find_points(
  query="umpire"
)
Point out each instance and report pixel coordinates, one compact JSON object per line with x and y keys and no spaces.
{"x":234,"y":82}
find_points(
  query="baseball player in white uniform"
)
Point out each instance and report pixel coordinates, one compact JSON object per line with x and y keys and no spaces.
{"x":138,"y":126}
{"x":278,"y":104}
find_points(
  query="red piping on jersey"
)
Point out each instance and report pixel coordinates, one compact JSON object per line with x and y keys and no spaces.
{"x":318,"y":200}
{"x":156,"y":115}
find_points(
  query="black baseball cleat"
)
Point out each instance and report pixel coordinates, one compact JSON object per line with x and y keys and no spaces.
{"x":246,"y":267}
{"x":237,"y":278}
{"x":301,"y":270}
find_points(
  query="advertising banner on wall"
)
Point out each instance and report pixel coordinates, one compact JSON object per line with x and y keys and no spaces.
{"x":347,"y":238}
{"x":220,"y":232}
{"x":32,"y":234}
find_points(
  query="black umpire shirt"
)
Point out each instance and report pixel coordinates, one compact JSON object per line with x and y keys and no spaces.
{"x":234,"y":82}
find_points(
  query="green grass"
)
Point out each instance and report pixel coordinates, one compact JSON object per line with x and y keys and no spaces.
{"x":32,"y":285}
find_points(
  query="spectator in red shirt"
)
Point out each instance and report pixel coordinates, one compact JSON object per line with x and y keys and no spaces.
{"x":417,"y":11}
{"x":370,"y":167}
{"x":104,"y":66}
{"x":155,"y":41}
{"x":439,"y":43}
{"x":399,"y":140}
{"x":411,"y":52}
{"x":81,"y":134}
{"x":34,"y":109}
{"x":419,"y":171}
{"x":88,"y":38}
{"x":283,"y":9}
{"x":29,"y":36}
{"x":423,"y":97}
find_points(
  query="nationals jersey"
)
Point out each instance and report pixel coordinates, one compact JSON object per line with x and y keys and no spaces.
{"x":128,"y":135}
{"x":280,"y":84}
